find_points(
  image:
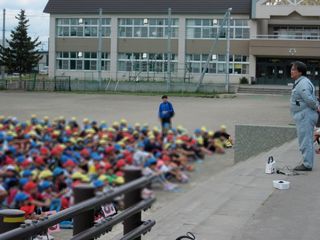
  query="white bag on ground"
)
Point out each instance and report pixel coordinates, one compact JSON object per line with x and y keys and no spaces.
{"x":270,"y":165}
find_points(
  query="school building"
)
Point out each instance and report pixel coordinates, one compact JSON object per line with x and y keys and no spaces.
{"x":142,"y":39}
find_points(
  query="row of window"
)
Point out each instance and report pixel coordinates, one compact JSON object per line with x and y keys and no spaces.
{"x":148,"y":21}
{"x":82,"y":61}
{"x":209,"y":32}
{"x":146,"y":56}
{"x":147,"y":27}
{"x":82,"y":21}
{"x":216,"y":22}
{"x":150,"y":28}
{"x":152,"y":62}
{"x":147,"y":32}
{"x":217,"y":58}
{"x":292,"y":2}
{"x":146,"y":66}
{"x":238,"y":64}
{"x":82,"y":31}
{"x":146,"y":62}
{"x":218,"y":68}
{"x":82,"y":27}
{"x":212,"y":28}
{"x":296,"y":32}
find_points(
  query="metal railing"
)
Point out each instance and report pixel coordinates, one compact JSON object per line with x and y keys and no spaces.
{"x":36,"y":84}
{"x":287,"y":37}
{"x":107,"y":86}
{"x":106,"y":226}
{"x":133,"y":226}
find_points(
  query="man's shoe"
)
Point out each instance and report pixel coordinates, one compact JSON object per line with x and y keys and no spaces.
{"x":302,"y":168}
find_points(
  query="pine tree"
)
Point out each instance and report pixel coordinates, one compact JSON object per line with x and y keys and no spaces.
{"x":21,"y":56}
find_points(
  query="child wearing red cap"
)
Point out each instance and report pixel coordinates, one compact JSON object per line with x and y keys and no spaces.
{"x":36,"y":198}
{"x":23,"y":202}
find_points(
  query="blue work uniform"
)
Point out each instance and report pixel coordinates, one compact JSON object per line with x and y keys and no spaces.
{"x":303,"y":108}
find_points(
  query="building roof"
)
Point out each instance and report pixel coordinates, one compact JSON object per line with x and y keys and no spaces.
{"x":147,"y":6}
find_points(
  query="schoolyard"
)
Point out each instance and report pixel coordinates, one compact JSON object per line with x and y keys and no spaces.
{"x":191,"y":113}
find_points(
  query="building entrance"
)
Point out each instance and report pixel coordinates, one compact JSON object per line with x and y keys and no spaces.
{"x":276,"y":71}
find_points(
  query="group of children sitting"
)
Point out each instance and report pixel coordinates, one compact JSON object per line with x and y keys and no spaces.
{"x":42,"y":160}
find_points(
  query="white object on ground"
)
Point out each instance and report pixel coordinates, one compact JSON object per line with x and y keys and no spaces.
{"x":281,"y":184}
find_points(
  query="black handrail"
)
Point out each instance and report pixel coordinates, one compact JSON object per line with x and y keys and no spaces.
{"x":142,"y":229}
{"x":104,"y":227}
{"x":36,"y":227}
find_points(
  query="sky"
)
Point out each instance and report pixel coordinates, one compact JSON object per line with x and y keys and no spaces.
{"x":38,"y":21}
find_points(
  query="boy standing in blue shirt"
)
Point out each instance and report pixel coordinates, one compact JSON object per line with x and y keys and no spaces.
{"x":165,"y":114}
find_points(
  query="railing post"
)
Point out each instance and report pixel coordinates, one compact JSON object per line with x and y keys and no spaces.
{"x":10,"y":219}
{"x":69,"y":84}
{"x":132,"y":173}
{"x":85,"y":220}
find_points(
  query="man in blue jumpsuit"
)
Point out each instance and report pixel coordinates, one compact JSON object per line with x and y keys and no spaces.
{"x":304,"y":109}
{"x":165,"y":113}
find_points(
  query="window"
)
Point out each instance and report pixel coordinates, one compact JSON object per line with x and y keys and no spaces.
{"x":146,"y":28}
{"x":82,"y":61}
{"x":296,"y":32}
{"x":146,"y":62}
{"x":82,"y":27}
{"x":237,"y":63}
{"x":208,"y":28}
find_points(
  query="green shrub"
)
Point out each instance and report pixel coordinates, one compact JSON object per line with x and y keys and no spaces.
{"x":244,"y":80}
